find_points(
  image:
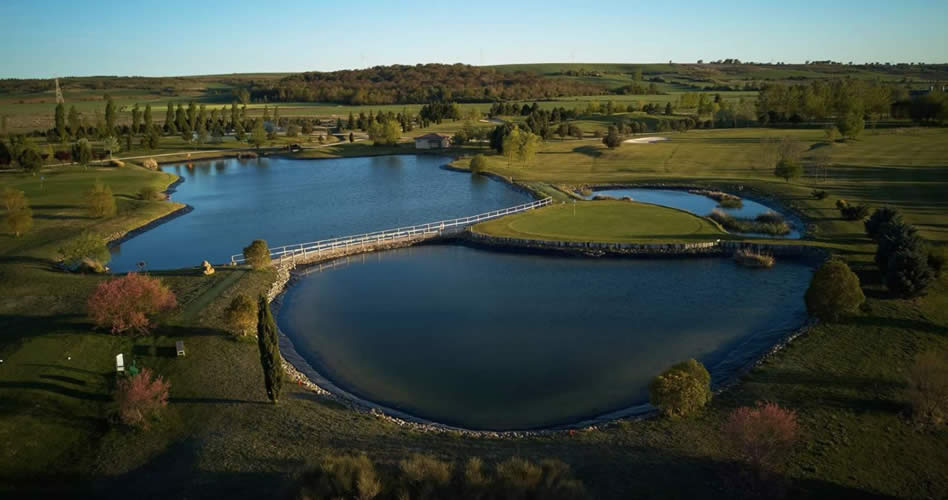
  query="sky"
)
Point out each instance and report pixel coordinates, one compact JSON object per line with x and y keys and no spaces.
{"x":46,"y":38}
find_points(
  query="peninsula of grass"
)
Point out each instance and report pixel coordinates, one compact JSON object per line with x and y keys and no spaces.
{"x":608,"y":221}
{"x":219,"y":437}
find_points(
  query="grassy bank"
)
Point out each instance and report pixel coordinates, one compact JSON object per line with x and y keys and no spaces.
{"x":220,"y":438}
{"x":604,"y":221}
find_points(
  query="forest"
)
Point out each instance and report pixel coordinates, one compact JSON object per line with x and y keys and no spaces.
{"x":422,"y":83}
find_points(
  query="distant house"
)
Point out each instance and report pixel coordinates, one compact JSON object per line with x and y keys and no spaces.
{"x":432,"y":141}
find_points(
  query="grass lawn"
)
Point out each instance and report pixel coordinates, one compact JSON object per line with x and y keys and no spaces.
{"x":219,"y":437}
{"x":604,"y":221}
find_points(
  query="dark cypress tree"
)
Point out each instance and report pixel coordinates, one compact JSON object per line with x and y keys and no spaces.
{"x":269,"y":344}
{"x":136,"y":119}
{"x":109,"y":115}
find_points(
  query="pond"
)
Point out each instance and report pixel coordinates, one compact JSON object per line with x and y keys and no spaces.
{"x":288,"y":201}
{"x":491,"y":340}
{"x":697,"y":204}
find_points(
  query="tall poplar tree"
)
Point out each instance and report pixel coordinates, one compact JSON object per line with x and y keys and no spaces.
{"x":75,"y":121}
{"x":148,"y":120}
{"x":269,"y":344}
{"x":61,"y":122}
{"x":170,"y":122}
{"x":136,"y":119}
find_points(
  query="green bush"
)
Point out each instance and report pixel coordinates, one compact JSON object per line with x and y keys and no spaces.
{"x":150,"y":193}
{"x":681,"y":390}
{"x":241,"y":315}
{"x":85,"y":253}
{"x":852,"y":212}
{"x":907,"y":273}
{"x":834,"y":290}
{"x":819,"y":194}
{"x":341,"y":477}
{"x":257,"y":254}
{"x":788,"y":169}
{"x":478,"y":164}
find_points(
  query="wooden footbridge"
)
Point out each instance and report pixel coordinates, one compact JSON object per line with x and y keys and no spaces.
{"x":345,"y":245}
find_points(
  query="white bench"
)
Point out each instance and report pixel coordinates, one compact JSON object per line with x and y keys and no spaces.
{"x":179,"y":345}
{"x":120,"y":363}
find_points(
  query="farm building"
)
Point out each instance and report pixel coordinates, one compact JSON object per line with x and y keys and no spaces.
{"x":432,"y":141}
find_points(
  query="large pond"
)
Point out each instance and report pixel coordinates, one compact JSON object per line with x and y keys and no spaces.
{"x":288,"y":201}
{"x":491,"y":340}
{"x":696,"y":204}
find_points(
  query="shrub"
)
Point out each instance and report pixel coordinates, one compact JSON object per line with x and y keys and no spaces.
{"x":907,"y":273}
{"x":257,"y":254}
{"x":31,"y":160}
{"x":241,"y":315}
{"x":770,"y":218}
{"x":788,"y":169}
{"x":879,"y":218}
{"x":478,"y":164}
{"x":150,"y":164}
{"x":63,"y":156}
{"x":730,"y":202}
{"x":129,"y":303}
{"x":13,"y":199}
{"x":681,"y":390}
{"x":612,"y":139}
{"x":852,"y":212}
{"x":892,"y":237}
{"x":140,"y":398}
{"x":549,"y":480}
{"x":150,"y":193}
{"x":99,"y":200}
{"x":18,"y":218}
{"x":425,"y":477}
{"x":342,"y":477}
{"x":19,"y":222}
{"x":834,"y":290}
{"x":85,"y":248}
{"x":763,"y":435}
{"x":819,"y":194}
{"x":927,"y":389}
{"x":731,"y":223}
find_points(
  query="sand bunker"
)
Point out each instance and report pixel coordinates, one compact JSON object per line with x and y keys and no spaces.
{"x":644,"y":140}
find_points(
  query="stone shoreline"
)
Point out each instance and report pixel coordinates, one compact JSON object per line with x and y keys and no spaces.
{"x":303,"y":374}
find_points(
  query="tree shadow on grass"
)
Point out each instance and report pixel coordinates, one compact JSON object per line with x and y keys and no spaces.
{"x":899,"y":323}
{"x":53,"y":388}
{"x":591,"y":151}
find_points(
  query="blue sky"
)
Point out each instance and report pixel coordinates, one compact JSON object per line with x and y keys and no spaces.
{"x":43,"y":38}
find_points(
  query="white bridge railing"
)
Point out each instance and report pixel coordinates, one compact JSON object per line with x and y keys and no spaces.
{"x":360,"y":240}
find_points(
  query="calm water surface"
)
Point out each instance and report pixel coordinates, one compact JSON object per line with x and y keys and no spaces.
{"x":494,"y":340}
{"x":291,"y":201}
{"x":696,"y":204}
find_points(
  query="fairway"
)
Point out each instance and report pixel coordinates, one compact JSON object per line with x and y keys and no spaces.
{"x":604,"y":221}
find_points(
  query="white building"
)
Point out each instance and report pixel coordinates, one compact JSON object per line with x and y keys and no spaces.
{"x":432,"y":141}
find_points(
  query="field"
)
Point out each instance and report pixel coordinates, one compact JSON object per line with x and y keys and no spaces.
{"x":219,"y":437}
{"x":604,"y":221}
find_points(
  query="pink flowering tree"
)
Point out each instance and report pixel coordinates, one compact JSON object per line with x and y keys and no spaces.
{"x":129,"y":303}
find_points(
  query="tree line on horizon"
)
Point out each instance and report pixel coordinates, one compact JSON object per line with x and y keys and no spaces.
{"x":419,"y":84}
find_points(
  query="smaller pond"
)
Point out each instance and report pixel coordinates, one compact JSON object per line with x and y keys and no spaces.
{"x":698,"y":204}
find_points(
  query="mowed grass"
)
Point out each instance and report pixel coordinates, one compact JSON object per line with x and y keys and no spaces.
{"x":219,"y":437}
{"x":604,"y":221}
{"x":903,"y":168}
